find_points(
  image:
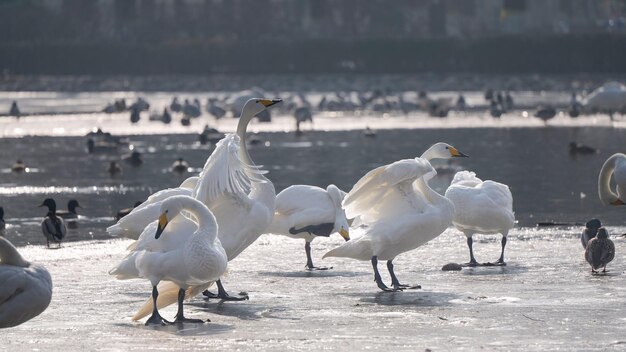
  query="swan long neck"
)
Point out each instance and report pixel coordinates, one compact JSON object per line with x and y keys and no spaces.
{"x":242,"y":127}
{"x":207,"y":224}
{"x":604,"y":180}
{"x":9,"y":254}
{"x":429,"y":154}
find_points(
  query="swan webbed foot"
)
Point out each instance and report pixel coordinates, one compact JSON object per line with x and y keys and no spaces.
{"x":156,"y":320}
{"x":209,"y":295}
{"x":223,"y":295}
{"x":471,"y":264}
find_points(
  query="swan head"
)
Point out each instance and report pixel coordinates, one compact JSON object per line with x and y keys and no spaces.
{"x":170,"y":208}
{"x":442,"y":151}
{"x":341,"y":223}
{"x":255,"y":106}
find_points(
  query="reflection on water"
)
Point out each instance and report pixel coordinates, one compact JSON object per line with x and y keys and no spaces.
{"x":547,"y":183}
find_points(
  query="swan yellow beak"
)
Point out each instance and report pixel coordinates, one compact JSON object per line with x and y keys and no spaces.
{"x":345,"y":234}
{"x":454,"y":152}
{"x":269,"y":102}
{"x":162,"y":223}
{"x":618,"y":202}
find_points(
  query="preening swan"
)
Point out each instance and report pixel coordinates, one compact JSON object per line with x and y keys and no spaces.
{"x":615,"y":166}
{"x":52,"y":226}
{"x":238,"y":195}
{"x":481,"y":207}
{"x":133,"y":224}
{"x":308,"y":212}
{"x":400,"y":210}
{"x":188,"y":254}
{"x":25,"y":288}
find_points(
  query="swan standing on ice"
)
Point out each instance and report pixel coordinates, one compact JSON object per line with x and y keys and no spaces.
{"x":133,"y":224}
{"x":52,"y":226}
{"x":238,"y":195}
{"x":614,"y":166}
{"x":308,"y":212}
{"x":400,"y":210}
{"x":481,"y":207}
{"x":188,"y":254}
{"x":25,"y":289}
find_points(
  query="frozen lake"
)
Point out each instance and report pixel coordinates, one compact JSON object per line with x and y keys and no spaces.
{"x":544,"y":299}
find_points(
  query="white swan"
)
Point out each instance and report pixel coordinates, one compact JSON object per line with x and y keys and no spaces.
{"x":188,"y":254}
{"x":25,"y":288}
{"x":239,"y":196}
{"x":614,"y":166}
{"x":400,"y":210}
{"x":133,"y":224}
{"x":52,"y":226}
{"x":481,"y":207}
{"x":307,"y":212}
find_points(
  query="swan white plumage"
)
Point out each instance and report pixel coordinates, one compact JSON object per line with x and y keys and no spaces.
{"x":25,"y":288}
{"x":133,"y":224}
{"x":614,"y":166}
{"x":238,"y":195}
{"x":308,"y":212}
{"x":400,"y":210}
{"x":481,"y":207}
{"x":188,"y":254}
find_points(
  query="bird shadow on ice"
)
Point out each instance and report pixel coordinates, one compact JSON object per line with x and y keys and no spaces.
{"x":313,"y":273}
{"x":494,"y":270}
{"x":415,"y":298}
{"x":243,"y":311}
{"x":188,"y":329}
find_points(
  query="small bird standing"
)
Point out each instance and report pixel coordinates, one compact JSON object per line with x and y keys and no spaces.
{"x":52,"y":226}
{"x":590,"y":231}
{"x":600,"y":251}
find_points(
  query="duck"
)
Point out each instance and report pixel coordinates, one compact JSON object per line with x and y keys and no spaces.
{"x":70,"y":216}
{"x":52,"y":226}
{"x":590,"y":231}
{"x":368,"y":132}
{"x":114,"y":168}
{"x":132,"y":225}
{"x":180,"y":166}
{"x":3,"y":224}
{"x":614,"y":166}
{"x":188,"y":254}
{"x":18,"y":167}
{"x":26,"y":289}
{"x":123,"y":212}
{"x":577,"y":148}
{"x":14,"y":110}
{"x":101,"y":146}
{"x":308,"y":212}
{"x":545,"y":113}
{"x":481,"y":207}
{"x":134,"y":159}
{"x":238,"y":194}
{"x":600,"y":251}
{"x":400,"y":210}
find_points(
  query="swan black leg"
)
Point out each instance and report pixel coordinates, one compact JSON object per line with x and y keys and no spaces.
{"x":394,"y":279}
{"x":470,"y":243}
{"x":223,"y":295}
{"x":155,"y":318}
{"x":309,"y":260}
{"x":377,"y":278}
{"x":501,"y":260}
{"x":180,"y":317}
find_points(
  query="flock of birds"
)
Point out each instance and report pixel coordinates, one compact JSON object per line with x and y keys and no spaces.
{"x":184,"y":237}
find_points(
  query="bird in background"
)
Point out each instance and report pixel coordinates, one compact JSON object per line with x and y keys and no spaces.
{"x":600,"y":251}
{"x":52,"y":226}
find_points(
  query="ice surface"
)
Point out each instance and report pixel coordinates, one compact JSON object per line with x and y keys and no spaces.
{"x":544,"y":299}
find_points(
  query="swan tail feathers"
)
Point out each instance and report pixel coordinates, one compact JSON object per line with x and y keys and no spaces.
{"x":352,"y":249}
{"x":168,"y":295}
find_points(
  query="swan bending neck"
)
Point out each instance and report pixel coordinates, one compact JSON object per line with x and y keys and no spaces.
{"x":604,"y":180}
{"x":204,"y":217}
